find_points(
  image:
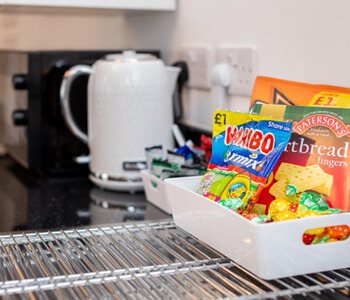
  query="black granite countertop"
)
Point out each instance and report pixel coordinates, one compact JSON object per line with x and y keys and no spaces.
{"x":30,"y":202}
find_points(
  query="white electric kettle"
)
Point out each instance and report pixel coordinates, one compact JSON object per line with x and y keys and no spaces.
{"x":129,"y":108}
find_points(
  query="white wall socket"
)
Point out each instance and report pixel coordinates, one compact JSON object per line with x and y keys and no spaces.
{"x":243,"y":64}
{"x":199,"y":61}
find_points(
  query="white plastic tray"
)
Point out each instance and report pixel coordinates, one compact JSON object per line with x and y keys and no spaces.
{"x":155,"y":191}
{"x":270,"y":251}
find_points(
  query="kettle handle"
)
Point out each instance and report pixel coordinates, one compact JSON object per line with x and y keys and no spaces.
{"x":66,"y":85}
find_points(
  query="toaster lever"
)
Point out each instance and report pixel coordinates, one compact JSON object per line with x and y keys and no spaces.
{"x":20,"y":117}
{"x":82,"y":159}
{"x":19,"y":82}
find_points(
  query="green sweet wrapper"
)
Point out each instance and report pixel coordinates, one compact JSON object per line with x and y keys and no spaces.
{"x":291,"y":190}
{"x":314,"y":201}
{"x":260,"y":219}
{"x":231,"y":203}
{"x":333,"y":211}
{"x":318,"y":240}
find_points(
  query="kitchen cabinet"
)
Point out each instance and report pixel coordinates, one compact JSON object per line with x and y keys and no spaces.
{"x":147,"y":5}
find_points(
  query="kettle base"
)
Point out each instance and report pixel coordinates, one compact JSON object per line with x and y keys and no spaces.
{"x":116,"y":185}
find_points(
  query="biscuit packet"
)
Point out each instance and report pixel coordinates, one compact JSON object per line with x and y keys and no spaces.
{"x":316,"y":160}
{"x":245,"y":150}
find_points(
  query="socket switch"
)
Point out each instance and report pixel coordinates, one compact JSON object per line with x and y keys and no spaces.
{"x":243,"y":64}
{"x":199,"y":62}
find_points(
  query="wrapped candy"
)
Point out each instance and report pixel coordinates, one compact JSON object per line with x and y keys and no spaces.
{"x":339,"y":232}
{"x":308,"y":238}
{"x":284,"y":216}
{"x":261,"y":219}
{"x":277,"y":206}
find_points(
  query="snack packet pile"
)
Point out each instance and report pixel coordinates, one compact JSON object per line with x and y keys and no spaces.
{"x":312,"y":175}
{"x":317,"y":157}
{"x":309,"y":205}
{"x":249,"y":174}
{"x":187,"y":160}
{"x":245,"y":150}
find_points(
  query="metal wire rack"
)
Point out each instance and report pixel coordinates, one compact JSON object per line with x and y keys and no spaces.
{"x":154,"y":260}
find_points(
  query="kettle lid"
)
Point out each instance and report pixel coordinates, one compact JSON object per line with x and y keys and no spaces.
{"x":129,"y":56}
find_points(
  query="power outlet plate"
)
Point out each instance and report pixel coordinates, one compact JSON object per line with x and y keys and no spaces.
{"x":199,"y":62}
{"x":243,"y":64}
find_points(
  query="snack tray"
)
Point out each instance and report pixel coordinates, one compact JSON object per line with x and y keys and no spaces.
{"x":273,"y":250}
{"x":155,"y":191}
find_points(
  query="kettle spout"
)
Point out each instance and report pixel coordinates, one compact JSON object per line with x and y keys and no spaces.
{"x":173,"y":73}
